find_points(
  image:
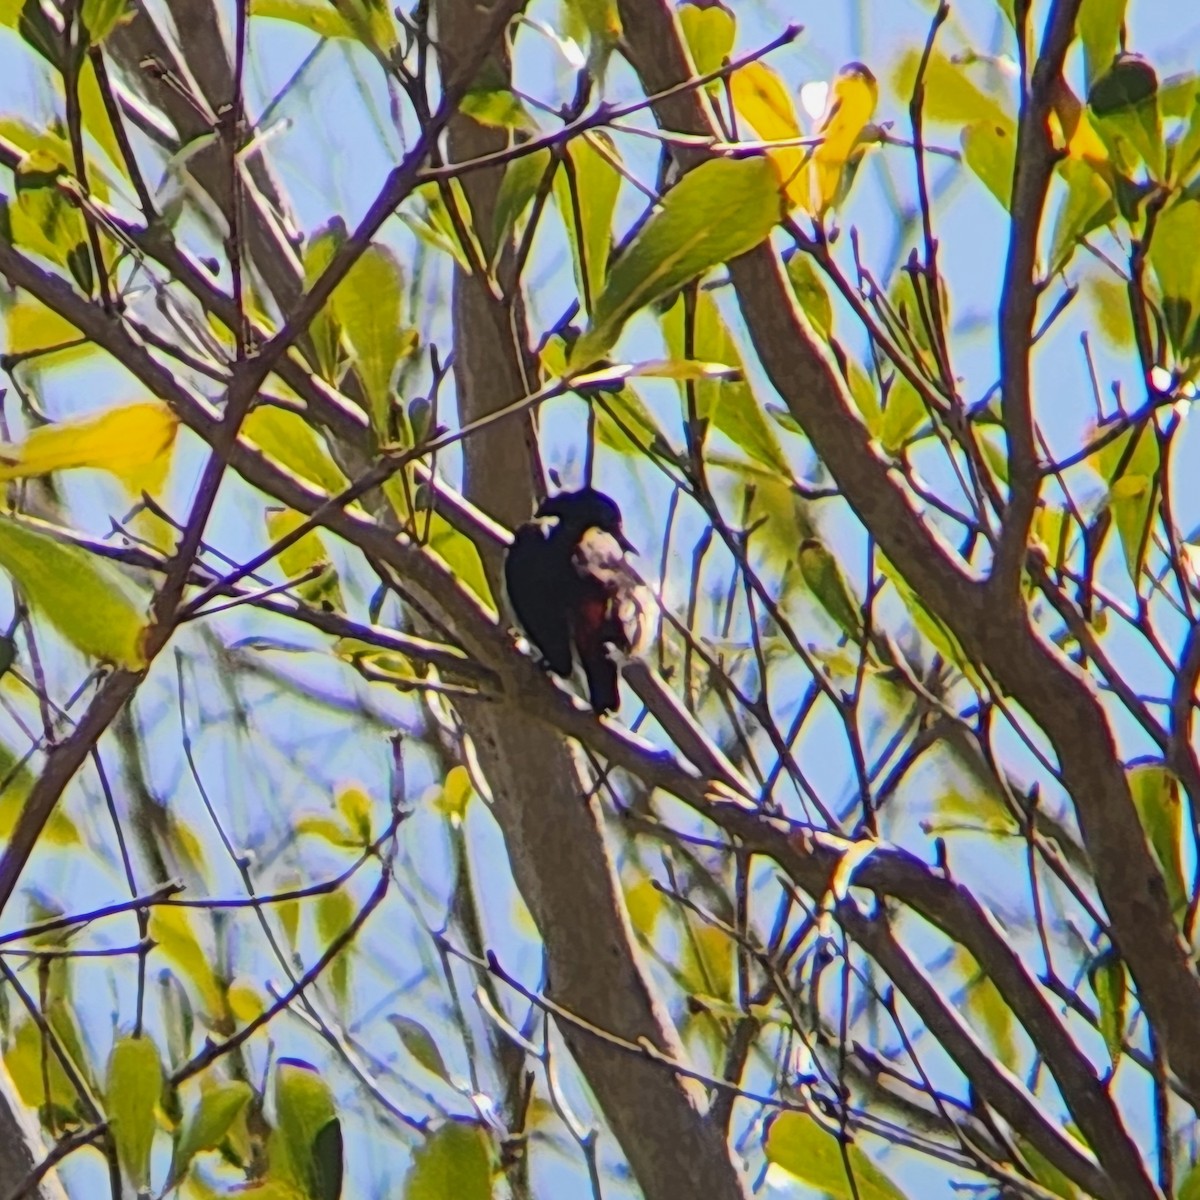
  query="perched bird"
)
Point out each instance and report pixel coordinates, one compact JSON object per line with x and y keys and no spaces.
{"x":571,"y":586}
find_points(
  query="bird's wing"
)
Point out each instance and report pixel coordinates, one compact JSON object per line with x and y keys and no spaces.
{"x":539,"y":581}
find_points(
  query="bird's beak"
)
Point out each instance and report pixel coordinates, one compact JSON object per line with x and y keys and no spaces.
{"x":626,"y":544}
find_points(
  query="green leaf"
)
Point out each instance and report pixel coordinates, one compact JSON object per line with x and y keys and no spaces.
{"x":1155,"y":791}
{"x":497,"y":108}
{"x":1107,"y":977}
{"x":990,"y":150}
{"x":335,"y":912}
{"x":418,"y":1041}
{"x":1045,"y":1173}
{"x":86,"y":599}
{"x":454,"y":1164}
{"x":722,"y":209}
{"x":904,"y":414}
{"x":460,"y":554}
{"x":435,"y":226}
{"x":303,"y":557}
{"x":289,"y":439}
{"x":950,"y":95}
{"x":803,"y":1148}
{"x":306,"y":1150}
{"x":522,"y":178}
{"x":368,"y":304}
{"x":709,"y":32}
{"x":1088,"y":204}
{"x":1176,"y":266}
{"x":171,"y":930}
{"x":813,"y":296}
{"x":829,"y":586}
{"x":132,"y":1090}
{"x":929,"y":624}
{"x":100,"y":17}
{"x":324,"y":333}
{"x":1124,"y":106}
{"x":1189,"y":1189}
{"x":1108,"y":303}
{"x":206,"y":1125}
{"x":728,"y":405}
{"x":986,"y":1006}
{"x":1131,"y":493}
{"x":1099,"y":27}
{"x":16,"y":779}
{"x":317,"y":15}
{"x":594,"y":191}
{"x":43,"y":219}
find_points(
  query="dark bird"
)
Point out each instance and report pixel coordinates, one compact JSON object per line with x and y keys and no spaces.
{"x":570,"y":585}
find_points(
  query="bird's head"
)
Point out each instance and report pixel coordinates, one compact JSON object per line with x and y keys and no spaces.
{"x":585,"y":509}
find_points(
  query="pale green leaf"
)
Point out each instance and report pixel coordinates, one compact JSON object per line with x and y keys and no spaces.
{"x":720,"y":210}
{"x":454,"y":1164}
{"x":206,"y":1125}
{"x":132,"y":1090}
{"x":803,"y":1148}
{"x":85,"y":598}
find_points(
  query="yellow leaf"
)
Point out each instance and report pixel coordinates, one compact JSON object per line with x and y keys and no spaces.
{"x":850,"y":107}
{"x":761,"y":99}
{"x":133,"y":443}
{"x":31,"y":327}
{"x":1071,"y":129}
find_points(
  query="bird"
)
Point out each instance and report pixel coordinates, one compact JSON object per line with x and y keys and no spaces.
{"x":574,"y":592}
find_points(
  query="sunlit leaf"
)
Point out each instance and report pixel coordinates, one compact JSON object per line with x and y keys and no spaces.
{"x":990,"y":150}
{"x":1088,"y":205}
{"x":132,"y":1091}
{"x":324,"y":333}
{"x":1131,"y":476}
{"x":319,"y":16}
{"x":454,"y":1164}
{"x":456,"y":793}
{"x":722,"y":209}
{"x":44,"y":219}
{"x":85,"y":598}
{"x":133,"y":443}
{"x":762,"y":101}
{"x":812,"y":294}
{"x":728,"y":405}
{"x":1099,"y":25}
{"x":522,"y":179}
{"x":304,"y":558}
{"x":812,"y":1153}
{"x":206,"y":1125}
{"x":39,"y":1077}
{"x":335,"y":911}
{"x":495,"y":107}
{"x":368,"y":304}
{"x":16,"y":778}
{"x":32,"y":327}
{"x":1124,"y":106}
{"x":1176,"y":265}
{"x":171,"y":930}
{"x":849,"y":108}
{"x":293,"y":443}
{"x":100,"y":17}
{"x":587,"y":198}
{"x":306,"y":1150}
{"x":709,"y":32}
{"x":950,"y":94}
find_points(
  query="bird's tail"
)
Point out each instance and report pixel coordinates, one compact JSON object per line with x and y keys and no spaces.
{"x":602,"y":675}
